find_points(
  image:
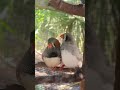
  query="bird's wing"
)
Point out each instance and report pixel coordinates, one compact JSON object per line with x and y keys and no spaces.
{"x":44,"y":54}
{"x":74,"y":51}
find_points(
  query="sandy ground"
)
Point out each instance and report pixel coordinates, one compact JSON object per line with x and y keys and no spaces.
{"x":47,"y":79}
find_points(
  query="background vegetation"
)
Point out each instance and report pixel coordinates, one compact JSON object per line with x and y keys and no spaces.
{"x":51,"y":24}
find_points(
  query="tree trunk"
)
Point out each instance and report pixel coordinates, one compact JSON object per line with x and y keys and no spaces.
{"x":20,"y":20}
{"x":97,"y":73}
{"x":116,"y":12}
{"x":117,"y":68}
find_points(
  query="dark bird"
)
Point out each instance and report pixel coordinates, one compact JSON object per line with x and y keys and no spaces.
{"x":52,"y":54}
{"x":70,"y":53}
{"x":25,"y":70}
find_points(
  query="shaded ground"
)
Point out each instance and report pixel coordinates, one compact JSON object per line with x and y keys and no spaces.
{"x":47,"y":79}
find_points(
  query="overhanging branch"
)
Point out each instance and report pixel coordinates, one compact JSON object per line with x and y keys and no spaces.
{"x":61,"y":6}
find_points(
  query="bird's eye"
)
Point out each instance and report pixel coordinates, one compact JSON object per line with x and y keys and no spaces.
{"x":57,"y":44}
{"x":67,"y":38}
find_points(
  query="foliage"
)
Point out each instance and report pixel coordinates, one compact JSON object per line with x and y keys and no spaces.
{"x":51,"y":24}
{"x":3,"y":4}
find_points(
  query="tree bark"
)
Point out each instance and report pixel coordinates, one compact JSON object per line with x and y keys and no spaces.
{"x":68,"y":8}
{"x":20,"y":19}
{"x":117,"y":68}
{"x":116,"y":12}
{"x":97,"y":71}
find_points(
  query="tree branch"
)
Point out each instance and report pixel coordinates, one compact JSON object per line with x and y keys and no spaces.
{"x":68,"y":8}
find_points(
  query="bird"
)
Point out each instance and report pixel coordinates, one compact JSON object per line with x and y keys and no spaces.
{"x":52,"y":54}
{"x":25,"y":69}
{"x":71,"y":56}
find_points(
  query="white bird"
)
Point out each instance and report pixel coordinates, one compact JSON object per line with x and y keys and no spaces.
{"x":71,"y":56}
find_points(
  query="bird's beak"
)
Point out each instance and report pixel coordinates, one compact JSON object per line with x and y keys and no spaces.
{"x":53,"y":45}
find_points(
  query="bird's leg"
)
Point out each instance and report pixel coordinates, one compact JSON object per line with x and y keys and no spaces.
{"x":54,"y":68}
{"x":61,"y":68}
